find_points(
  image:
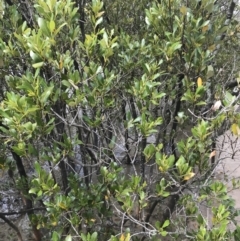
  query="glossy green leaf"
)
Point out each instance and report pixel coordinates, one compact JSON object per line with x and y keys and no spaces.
{"x":51,"y":26}
{"x":38,"y":65}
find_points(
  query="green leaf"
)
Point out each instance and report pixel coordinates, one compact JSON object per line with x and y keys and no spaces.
{"x":51,"y":26}
{"x":210,"y":71}
{"x":166,"y":224}
{"x":46,"y":94}
{"x":42,"y":24}
{"x":66,"y":83}
{"x":183,"y":10}
{"x":59,"y":28}
{"x":33,"y":190}
{"x":164,"y":233}
{"x":229,"y":99}
{"x":51,"y":4}
{"x":201,"y":103}
{"x":98,"y":21}
{"x":39,"y":194}
{"x":94,"y":236}
{"x":147,"y":21}
{"x":34,"y":56}
{"x":83,"y":237}
{"x":55,"y":236}
{"x":37,"y":168}
{"x":149,"y":151}
{"x":113,"y":142}
{"x":235,"y":129}
{"x":38,"y":65}
{"x":68,"y":238}
{"x":176,"y":46}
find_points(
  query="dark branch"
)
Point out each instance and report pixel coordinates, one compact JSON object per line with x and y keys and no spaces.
{"x":12,"y":226}
{"x":22,"y":211}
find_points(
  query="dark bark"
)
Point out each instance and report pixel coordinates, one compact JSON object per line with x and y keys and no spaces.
{"x":134,"y":114}
{"x":171,"y":206}
{"x":9,"y":2}
{"x":81,"y":5}
{"x":229,"y":16}
{"x":106,"y":15}
{"x":212,"y":159}
{"x":26,"y":200}
{"x":231,"y":84}
{"x":59,"y":108}
{"x":24,"y":211}
{"x":128,"y":159}
{"x":151,"y":210}
{"x":84,"y":158}
{"x":132,"y":108}
{"x":170,"y":147}
{"x":52,"y":172}
{"x":14,"y":227}
{"x":143,"y":159}
{"x":24,"y":11}
{"x":161,"y":136}
{"x":64,"y":175}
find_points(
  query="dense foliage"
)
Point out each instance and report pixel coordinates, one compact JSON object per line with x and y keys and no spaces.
{"x":110,"y":113}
